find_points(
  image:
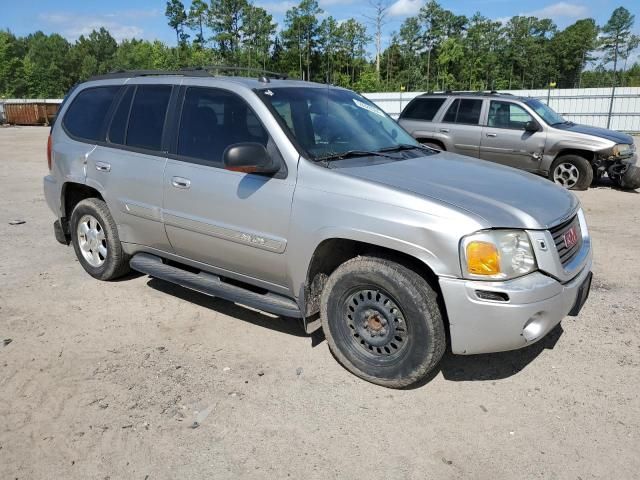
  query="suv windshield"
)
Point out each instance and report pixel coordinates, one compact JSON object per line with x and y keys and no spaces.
{"x":328,"y":122}
{"x":547,"y":114}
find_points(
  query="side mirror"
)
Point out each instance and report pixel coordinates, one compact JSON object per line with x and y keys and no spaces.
{"x":532,"y":126}
{"x":248,"y":157}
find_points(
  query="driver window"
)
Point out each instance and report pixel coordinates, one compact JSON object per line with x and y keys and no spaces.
{"x":507,"y":115}
{"x":214,"y":119}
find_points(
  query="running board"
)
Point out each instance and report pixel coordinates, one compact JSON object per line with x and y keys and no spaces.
{"x":210,"y":284}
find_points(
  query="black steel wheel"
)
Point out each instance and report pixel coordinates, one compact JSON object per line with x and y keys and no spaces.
{"x":376,"y":324}
{"x":382,"y":321}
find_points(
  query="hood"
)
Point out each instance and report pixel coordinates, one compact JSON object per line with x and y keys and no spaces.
{"x":504,"y":197}
{"x":617,"y":137}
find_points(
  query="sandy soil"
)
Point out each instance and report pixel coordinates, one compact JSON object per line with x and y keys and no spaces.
{"x":140,"y":379}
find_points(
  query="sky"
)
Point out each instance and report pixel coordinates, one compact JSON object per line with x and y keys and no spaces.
{"x":145,"y":18}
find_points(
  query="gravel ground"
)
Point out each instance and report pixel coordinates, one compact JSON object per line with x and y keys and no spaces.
{"x":142,"y":379}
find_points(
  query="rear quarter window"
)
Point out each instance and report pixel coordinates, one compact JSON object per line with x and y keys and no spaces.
{"x":423,"y":108}
{"x":87,"y":113}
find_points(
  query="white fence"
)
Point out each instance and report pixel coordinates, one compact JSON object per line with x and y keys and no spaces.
{"x":581,"y":105}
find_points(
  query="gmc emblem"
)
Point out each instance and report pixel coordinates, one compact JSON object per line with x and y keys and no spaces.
{"x":570,"y":237}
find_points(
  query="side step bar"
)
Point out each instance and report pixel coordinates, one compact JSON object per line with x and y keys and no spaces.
{"x":210,"y":284}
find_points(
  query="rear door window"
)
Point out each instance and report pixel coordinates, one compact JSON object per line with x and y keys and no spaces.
{"x":465,"y":111}
{"x":423,"y":108}
{"x":146,"y":119}
{"x":86,"y":116}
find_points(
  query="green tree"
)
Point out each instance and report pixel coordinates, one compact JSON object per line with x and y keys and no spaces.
{"x":258,"y":31}
{"x":616,"y":36}
{"x":572,"y":49}
{"x":93,"y":54}
{"x":177,"y":18}
{"x":12,"y":76}
{"x":301,"y":34}
{"x":226,"y":21}
{"x":353,"y":38}
{"x":46,"y":66}
{"x":328,"y":44}
{"x":197,"y":17}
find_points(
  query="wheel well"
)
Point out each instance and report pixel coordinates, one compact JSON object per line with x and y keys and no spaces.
{"x":332,"y":253}
{"x":72,"y":194}
{"x":586,"y":154}
{"x":432,"y":140}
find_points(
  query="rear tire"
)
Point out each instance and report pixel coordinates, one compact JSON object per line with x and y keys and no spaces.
{"x":382,"y":321}
{"x":572,"y":172}
{"x":95,"y":240}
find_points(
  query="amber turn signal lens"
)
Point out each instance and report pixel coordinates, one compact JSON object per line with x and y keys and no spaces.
{"x":483,"y":258}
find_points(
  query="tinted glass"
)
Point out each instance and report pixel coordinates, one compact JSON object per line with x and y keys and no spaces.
{"x":423,"y":108}
{"x":214,"y":119}
{"x":469,"y":111}
{"x":146,"y":119}
{"x":507,"y":115}
{"x":120,"y":118}
{"x":548,"y":115}
{"x":85,"y":117}
{"x":450,"y":116}
{"x":329,"y":121}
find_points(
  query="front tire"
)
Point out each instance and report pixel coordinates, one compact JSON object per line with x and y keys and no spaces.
{"x":572,"y":172}
{"x":382,"y":321}
{"x":95,"y":240}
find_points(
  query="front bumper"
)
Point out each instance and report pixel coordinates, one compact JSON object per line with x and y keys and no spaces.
{"x":536,"y":304}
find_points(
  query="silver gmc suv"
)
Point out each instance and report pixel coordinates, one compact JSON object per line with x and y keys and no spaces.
{"x":307,"y":201}
{"x":523,"y":133}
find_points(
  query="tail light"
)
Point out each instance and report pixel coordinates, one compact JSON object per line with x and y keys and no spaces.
{"x":49,"y":142}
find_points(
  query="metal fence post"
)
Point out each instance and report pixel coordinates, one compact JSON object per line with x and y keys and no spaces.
{"x":613,"y":96}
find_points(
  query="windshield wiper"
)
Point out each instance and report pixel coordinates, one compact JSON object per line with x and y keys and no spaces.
{"x":352,"y":154}
{"x":406,"y":146}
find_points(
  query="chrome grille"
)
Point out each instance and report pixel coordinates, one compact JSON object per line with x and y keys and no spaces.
{"x":558,"y":232}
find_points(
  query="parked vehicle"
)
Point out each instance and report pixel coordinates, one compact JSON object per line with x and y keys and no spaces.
{"x":522,"y":133}
{"x":307,"y":201}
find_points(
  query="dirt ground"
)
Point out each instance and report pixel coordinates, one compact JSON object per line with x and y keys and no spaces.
{"x":144,"y":380}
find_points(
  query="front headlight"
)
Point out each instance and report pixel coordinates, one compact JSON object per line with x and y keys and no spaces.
{"x":497,"y":255}
{"x":622,"y":149}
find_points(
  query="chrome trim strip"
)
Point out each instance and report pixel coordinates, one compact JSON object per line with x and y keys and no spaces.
{"x":250,"y":239}
{"x":140,"y":210}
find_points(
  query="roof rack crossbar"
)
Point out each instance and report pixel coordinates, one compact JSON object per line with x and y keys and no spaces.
{"x":469,"y":92}
{"x":204,"y":71}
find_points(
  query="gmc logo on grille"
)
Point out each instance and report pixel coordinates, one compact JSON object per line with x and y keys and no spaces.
{"x":570,"y":237}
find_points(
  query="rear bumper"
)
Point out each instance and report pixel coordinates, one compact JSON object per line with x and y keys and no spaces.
{"x":537,"y":303}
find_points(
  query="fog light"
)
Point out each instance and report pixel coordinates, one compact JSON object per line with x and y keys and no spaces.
{"x":534,"y":327}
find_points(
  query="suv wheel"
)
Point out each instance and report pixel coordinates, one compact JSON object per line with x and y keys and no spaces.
{"x":96,"y":242}
{"x":572,"y":172}
{"x":382,"y":321}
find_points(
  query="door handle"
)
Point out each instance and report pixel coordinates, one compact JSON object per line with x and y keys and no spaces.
{"x":444,"y":130}
{"x":492,"y":135}
{"x":180,"y":182}
{"x":103,"y":167}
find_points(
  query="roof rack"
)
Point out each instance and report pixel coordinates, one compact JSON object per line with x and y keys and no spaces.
{"x":467,"y":92}
{"x":204,"y":71}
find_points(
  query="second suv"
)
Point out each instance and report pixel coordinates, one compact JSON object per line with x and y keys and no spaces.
{"x":523,"y":133}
